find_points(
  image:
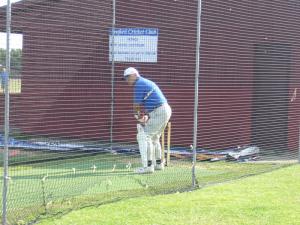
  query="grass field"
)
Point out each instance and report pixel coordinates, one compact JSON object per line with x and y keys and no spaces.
{"x":56,"y":187}
{"x":269,"y":198}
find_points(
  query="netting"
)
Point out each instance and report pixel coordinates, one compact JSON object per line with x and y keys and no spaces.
{"x":72,"y":137}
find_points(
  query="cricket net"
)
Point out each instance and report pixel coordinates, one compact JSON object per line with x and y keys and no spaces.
{"x":72,"y":134}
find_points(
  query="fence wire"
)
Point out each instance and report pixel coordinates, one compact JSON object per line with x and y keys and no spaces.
{"x":72,"y":132}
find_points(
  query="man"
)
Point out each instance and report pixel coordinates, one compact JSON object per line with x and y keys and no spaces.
{"x":152,"y":112}
{"x":3,"y":76}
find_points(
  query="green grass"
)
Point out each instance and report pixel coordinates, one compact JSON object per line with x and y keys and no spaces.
{"x":270,"y":198}
{"x":63,"y":190}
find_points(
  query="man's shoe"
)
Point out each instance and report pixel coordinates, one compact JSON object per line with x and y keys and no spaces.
{"x":160,"y":166}
{"x":144,"y":170}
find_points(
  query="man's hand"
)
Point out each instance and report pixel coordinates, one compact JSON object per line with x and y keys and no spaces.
{"x":140,"y":115}
{"x":142,"y":119}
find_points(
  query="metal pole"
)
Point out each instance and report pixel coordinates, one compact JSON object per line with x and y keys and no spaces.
{"x":6,"y":116}
{"x":112,"y":72}
{"x":197,"y":69}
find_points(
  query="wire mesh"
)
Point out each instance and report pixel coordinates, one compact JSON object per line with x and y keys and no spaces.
{"x":72,"y":132}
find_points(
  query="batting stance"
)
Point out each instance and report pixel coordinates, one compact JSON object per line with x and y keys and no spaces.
{"x":152,"y":112}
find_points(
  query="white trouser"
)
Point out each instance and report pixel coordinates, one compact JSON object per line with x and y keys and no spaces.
{"x":148,"y":135}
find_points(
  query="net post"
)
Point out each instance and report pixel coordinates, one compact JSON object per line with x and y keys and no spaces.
{"x":6,"y":115}
{"x":112,"y":72}
{"x":196,"y":93}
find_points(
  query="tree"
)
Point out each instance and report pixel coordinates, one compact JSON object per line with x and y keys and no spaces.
{"x":15,"y":61}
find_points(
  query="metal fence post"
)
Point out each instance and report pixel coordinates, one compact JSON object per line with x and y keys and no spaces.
{"x":6,"y":116}
{"x":112,"y":71}
{"x":197,"y":69}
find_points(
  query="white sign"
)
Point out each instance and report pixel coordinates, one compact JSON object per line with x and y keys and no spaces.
{"x":133,"y":45}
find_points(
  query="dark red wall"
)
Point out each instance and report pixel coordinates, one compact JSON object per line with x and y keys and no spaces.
{"x":229,"y":32}
{"x":66,"y":79}
{"x":66,"y":76}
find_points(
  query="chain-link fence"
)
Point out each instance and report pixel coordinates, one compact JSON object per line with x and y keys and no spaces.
{"x":229,"y":70}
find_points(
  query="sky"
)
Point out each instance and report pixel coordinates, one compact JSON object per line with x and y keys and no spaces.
{"x":3,"y":2}
{"x":16,"y":41}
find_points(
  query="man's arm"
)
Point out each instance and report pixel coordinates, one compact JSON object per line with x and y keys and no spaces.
{"x":137,"y":109}
{"x":139,"y":115}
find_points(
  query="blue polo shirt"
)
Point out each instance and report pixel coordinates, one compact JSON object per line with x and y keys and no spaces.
{"x":147,"y":93}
